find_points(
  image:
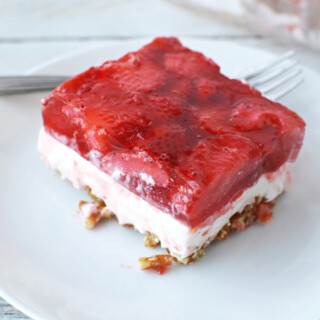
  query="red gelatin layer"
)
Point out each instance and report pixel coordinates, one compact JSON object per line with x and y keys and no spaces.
{"x":167,"y":125}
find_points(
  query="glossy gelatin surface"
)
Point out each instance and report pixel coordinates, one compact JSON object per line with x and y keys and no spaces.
{"x":166,"y":124}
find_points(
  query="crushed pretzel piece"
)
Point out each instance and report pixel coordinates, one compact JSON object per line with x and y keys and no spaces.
{"x":93,"y":212}
{"x":158,"y":263}
{"x":223,"y":233}
{"x":243,"y":220}
{"x":151,"y":240}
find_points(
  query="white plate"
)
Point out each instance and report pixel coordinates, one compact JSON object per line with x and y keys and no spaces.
{"x":51,"y":267}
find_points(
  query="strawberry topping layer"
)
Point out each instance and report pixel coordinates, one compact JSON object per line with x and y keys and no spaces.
{"x":166,"y":124}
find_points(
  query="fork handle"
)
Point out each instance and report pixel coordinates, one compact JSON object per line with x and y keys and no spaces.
{"x":25,"y":84}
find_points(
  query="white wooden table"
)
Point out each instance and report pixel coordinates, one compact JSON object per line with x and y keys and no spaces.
{"x":34,"y":31}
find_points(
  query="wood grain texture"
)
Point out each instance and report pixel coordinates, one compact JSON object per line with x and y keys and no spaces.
{"x":19,"y":57}
{"x":7,"y":312}
{"x":36,"y":19}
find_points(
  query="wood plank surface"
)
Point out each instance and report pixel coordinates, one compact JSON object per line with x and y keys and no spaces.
{"x":7,"y":312}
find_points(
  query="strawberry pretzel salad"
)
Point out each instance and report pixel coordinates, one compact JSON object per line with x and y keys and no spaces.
{"x":170,"y":146}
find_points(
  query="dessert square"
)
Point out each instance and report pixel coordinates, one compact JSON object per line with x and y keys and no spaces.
{"x":169,"y":145}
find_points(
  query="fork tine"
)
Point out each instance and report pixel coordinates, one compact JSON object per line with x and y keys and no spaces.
{"x":286,"y":89}
{"x":280,"y":81}
{"x":271,"y":75}
{"x":268,"y":66}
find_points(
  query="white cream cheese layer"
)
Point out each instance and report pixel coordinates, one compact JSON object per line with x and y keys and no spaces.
{"x":131,"y":209}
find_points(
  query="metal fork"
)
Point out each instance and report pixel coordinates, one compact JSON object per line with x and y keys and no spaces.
{"x":25,"y":84}
{"x":276,"y":78}
{"x":273,"y":79}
